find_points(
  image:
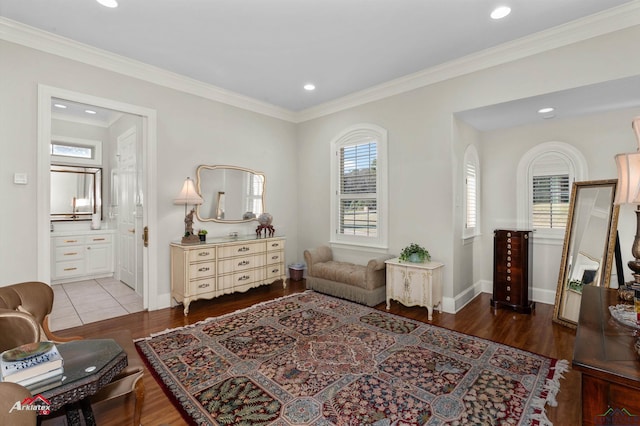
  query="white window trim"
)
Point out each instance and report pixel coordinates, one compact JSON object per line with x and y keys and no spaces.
{"x":578,"y":171}
{"x":470,"y":156}
{"x":350,"y":136}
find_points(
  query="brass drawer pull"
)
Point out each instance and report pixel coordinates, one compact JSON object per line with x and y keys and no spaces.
{"x":204,"y":285}
{"x":204,"y":253}
{"x":99,"y":239}
{"x":70,"y":269}
{"x":275,"y":245}
{"x":244,"y":249}
{"x":244,"y":278}
{"x":70,"y":241}
{"x":244,"y":263}
{"x":204,"y":269}
{"x":275,"y":257}
{"x":73,"y":253}
{"x":273,"y":271}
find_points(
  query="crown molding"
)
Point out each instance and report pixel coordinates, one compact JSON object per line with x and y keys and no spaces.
{"x":609,"y":21}
{"x":34,"y":38}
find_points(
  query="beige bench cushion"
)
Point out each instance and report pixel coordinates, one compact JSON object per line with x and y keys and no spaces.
{"x":343,"y":272}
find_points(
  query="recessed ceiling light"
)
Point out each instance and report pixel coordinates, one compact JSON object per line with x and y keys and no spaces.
{"x":59,"y":106}
{"x":546,"y":110}
{"x":500,"y":12}
{"x":90,"y":111}
{"x":108,"y":3}
{"x":309,"y":87}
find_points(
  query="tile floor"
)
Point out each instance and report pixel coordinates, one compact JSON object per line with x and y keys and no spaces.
{"x":82,"y":302}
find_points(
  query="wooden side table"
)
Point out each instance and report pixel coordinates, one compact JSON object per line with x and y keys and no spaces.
{"x":604,"y":354}
{"x":415,"y":284}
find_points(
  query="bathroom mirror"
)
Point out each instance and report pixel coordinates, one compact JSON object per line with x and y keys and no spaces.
{"x":76,"y":192}
{"x":231,"y":194}
{"x":589,"y":245}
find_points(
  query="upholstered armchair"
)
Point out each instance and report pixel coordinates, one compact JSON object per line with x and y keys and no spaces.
{"x":24,"y":318}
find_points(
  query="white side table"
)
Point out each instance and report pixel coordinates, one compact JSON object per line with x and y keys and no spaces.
{"x":415,"y":284}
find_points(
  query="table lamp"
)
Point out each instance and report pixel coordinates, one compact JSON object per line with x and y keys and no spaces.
{"x":189,"y":195}
{"x":628,"y":192}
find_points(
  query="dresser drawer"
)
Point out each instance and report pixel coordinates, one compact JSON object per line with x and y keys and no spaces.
{"x":275,"y":257}
{"x":237,"y":264}
{"x":99,"y":239}
{"x":241,"y":249}
{"x":206,"y":285}
{"x":70,"y":241}
{"x":275,"y":271}
{"x":65,"y":254}
{"x":200,"y":255}
{"x":241,"y":279}
{"x":275,"y":245}
{"x":69,"y":269}
{"x":201,"y":270}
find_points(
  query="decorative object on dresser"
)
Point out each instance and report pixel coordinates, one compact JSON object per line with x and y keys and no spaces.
{"x":224,"y":266}
{"x":188,"y":195}
{"x":415,"y":283}
{"x":512,"y":269}
{"x":265,"y":220}
{"x":589,"y":246}
{"x":202,"y":234}
{"x":79,"y":255}
{"x":312,"y":359}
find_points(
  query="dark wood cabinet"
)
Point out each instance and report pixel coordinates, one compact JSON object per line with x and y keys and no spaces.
{"x":512,"y":269}
{"x":604,"y":353}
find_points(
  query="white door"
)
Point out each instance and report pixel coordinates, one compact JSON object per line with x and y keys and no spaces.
{"x":128,"y":210}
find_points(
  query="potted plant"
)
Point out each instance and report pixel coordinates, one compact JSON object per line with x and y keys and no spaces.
{"x":202,"y":234}
{"x":414,"y":253}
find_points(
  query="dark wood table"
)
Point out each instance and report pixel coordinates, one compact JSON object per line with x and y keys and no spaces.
{"x":89,"y":365}
{"x":604,"y":354}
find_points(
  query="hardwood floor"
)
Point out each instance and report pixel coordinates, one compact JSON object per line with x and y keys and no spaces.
{"x":535,"y":333}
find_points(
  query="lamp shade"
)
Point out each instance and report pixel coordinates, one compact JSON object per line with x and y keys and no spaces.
{"x":628,"y":187}
{"x":188,"y":195}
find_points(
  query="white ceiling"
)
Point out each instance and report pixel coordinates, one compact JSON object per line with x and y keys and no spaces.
{"x":268,"y":50}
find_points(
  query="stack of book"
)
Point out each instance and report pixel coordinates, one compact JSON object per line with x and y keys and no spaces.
{"x":37,"y":366}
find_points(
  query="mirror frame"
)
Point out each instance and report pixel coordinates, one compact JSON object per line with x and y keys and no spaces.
{"x":97,"y":193}
{"x":242,"y":169}
{"x":604,"y":276}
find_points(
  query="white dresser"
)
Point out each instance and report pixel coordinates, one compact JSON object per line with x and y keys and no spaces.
{"x":224,"y":265}
{"x":80,"y":255}
{"x":415,"y":284}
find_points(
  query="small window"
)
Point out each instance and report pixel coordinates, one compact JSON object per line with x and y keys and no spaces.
{"x":545,"y":176}
{"x":551,"y":195}
{"x":359,"y":187}
{"x":471,"y":191}
{"x":66,"y":150}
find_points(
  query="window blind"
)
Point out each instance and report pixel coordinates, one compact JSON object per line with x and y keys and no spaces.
{"x":358,"y":190}
{"x":551,"y":196}
{"x":471,"y":196}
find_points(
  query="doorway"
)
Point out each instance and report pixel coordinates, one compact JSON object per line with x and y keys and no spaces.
{"x":141,"y":196}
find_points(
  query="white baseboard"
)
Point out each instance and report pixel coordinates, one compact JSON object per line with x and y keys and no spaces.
{"x":452,"y":305}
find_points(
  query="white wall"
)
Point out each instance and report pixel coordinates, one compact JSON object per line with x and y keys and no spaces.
{"x":599,"y":137}
{"x":425,"y":156}
{"x":191,"y":131}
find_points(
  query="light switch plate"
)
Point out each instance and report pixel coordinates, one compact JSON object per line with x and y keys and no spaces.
{"x":20,"y":178}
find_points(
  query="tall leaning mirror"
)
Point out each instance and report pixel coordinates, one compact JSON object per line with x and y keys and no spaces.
{"x":589,"y":245}
{"x":231,"y":194}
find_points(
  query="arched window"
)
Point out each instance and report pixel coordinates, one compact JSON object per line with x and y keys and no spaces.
{"x":545,"y":176}
{"x":471,"y":192}
{"x":359,"y":186}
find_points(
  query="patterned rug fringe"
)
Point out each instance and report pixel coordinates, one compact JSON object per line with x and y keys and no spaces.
{"x":551,"y":388}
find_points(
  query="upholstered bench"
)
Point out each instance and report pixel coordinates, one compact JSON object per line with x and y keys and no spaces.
{"x":363,"y":284}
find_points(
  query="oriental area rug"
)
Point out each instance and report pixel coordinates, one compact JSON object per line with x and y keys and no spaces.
{"x":311,"y":359}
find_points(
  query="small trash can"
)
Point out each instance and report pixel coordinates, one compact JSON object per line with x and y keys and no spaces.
{"x":296,"y":271}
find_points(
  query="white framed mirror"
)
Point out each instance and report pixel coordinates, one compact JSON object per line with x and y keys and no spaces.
{"x":231,"y":194}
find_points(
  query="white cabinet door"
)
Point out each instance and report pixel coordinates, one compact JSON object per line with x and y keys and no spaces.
{"x":99,"y":258}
